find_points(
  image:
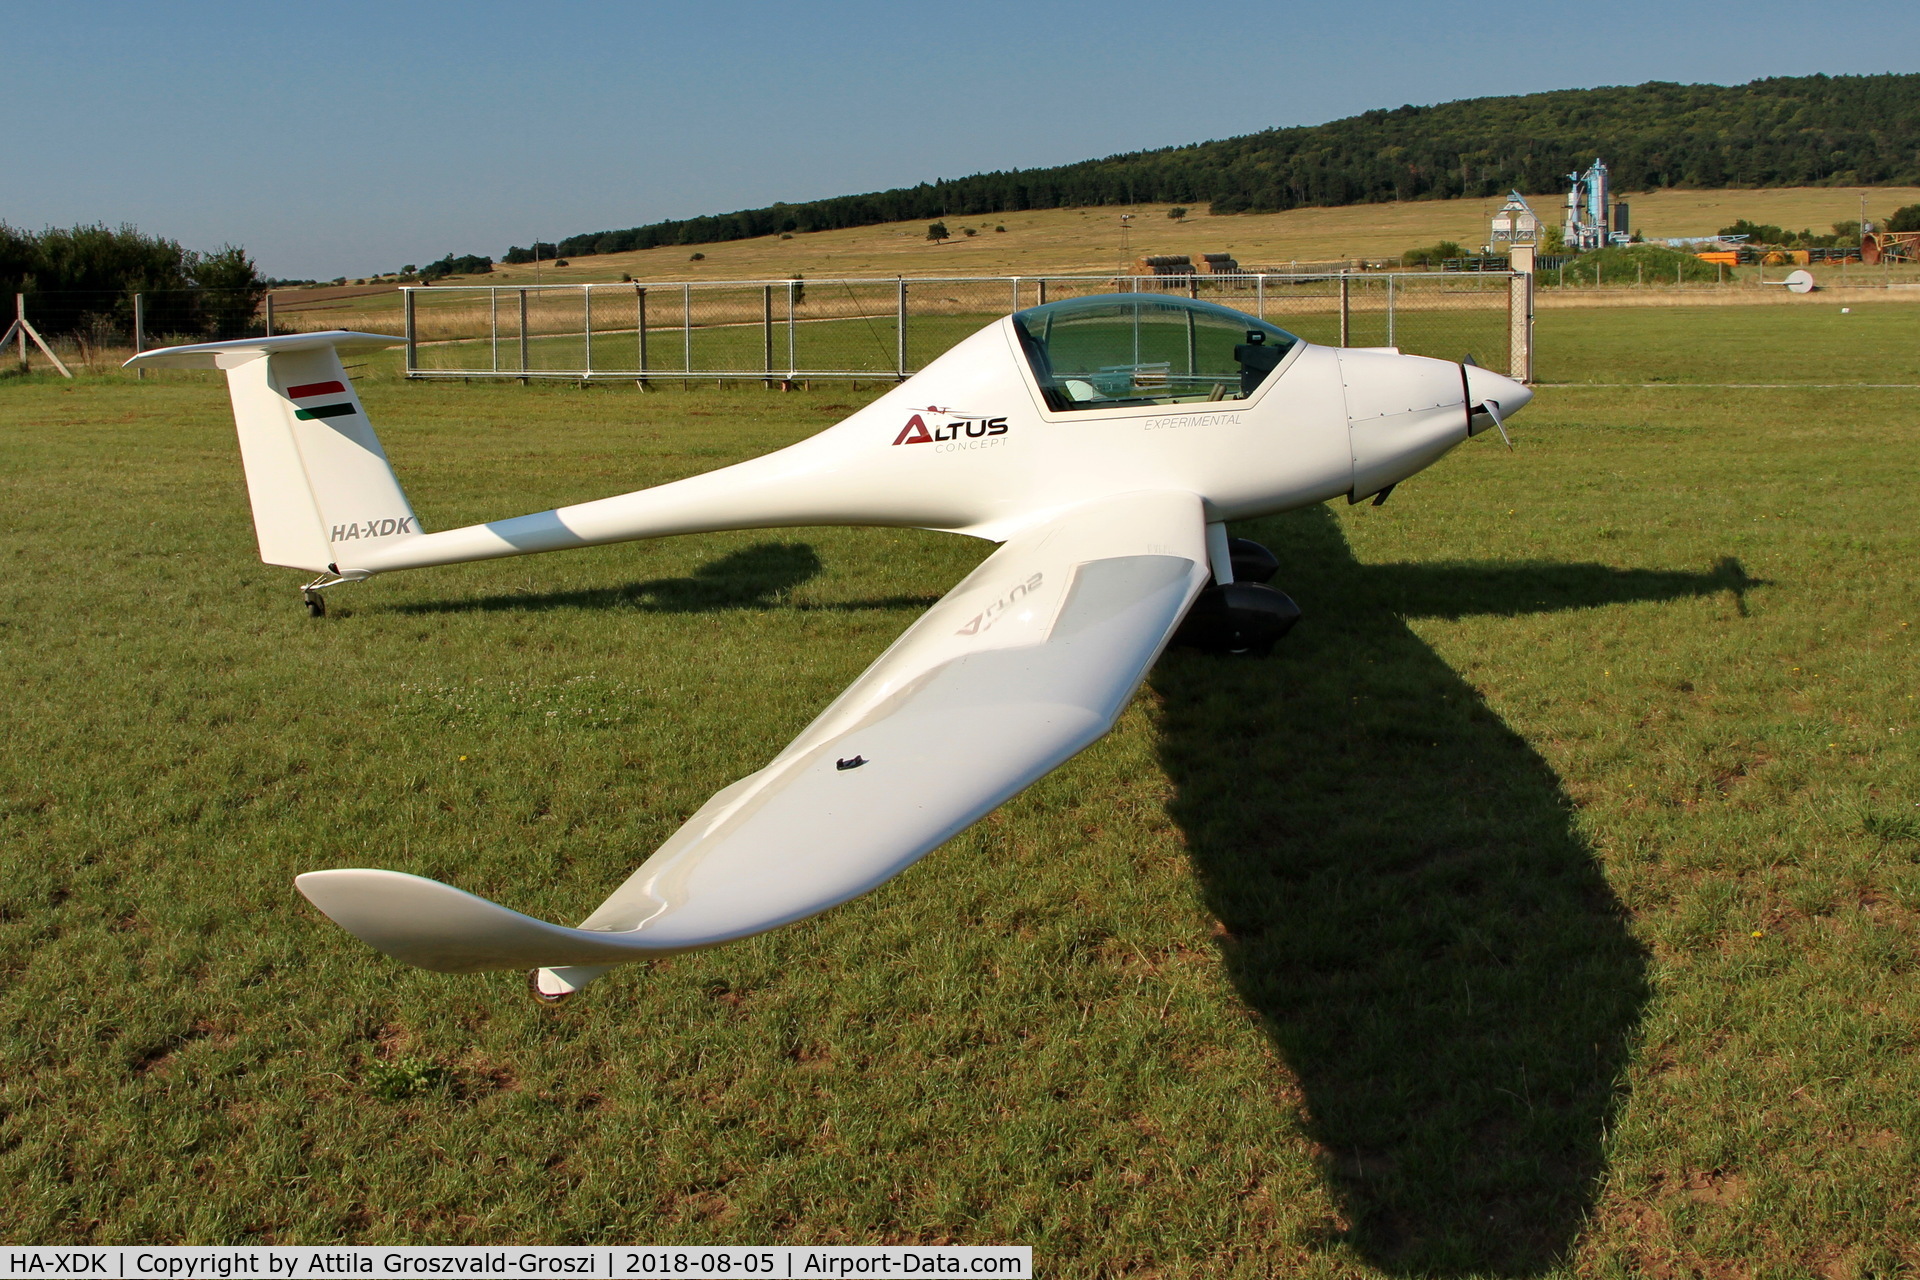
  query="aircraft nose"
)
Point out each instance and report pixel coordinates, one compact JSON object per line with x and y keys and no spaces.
{"x":1484,"y":385}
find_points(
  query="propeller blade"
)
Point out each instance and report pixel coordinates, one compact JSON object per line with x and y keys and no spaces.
{"x":1493,"y":411}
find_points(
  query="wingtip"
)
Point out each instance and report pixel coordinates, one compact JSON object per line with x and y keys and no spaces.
{"x":435,"y":926}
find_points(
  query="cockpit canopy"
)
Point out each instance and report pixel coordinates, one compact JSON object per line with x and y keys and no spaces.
{"x":1120,"y":350}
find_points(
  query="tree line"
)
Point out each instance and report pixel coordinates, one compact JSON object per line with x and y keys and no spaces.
{"x":1783,"y":131}
{"x":82,"y":279}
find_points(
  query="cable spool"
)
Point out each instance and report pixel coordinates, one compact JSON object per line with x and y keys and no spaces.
{"x":1796,"y":282}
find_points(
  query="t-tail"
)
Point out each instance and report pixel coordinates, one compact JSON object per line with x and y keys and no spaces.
{"x":322,"y":491}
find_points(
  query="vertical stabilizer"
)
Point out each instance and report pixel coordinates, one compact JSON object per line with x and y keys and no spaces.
{"x":318,"y":480}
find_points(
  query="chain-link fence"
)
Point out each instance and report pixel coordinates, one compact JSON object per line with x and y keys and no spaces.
{"x":792,"y":330}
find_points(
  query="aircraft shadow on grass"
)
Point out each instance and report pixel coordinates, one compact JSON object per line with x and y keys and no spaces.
{"x":1405,"y":901}
{"x":1404,"y":896}
{"x":762,"y":576}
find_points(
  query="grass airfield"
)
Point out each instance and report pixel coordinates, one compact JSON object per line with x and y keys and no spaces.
{"x":1549,"y":904}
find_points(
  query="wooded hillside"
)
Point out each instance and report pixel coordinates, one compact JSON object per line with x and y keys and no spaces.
{"x":1789,"y":131}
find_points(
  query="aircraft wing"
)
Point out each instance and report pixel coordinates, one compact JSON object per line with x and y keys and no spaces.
{"x":1027,"y":661}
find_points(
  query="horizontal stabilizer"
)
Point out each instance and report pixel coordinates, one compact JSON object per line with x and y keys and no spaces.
{"x":449,"y":930}
{"x":225,"y":355}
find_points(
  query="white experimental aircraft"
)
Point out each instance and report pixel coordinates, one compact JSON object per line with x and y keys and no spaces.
{"x":1103,"y":441}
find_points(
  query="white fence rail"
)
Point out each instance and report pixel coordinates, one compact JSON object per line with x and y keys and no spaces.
{"x":791,"y":330}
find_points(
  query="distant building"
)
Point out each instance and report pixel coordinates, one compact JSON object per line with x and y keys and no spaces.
{"x":1590,"y":223}
{"x":1516,"y":223}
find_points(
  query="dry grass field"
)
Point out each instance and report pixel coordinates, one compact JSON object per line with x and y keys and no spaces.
{"x":1069,"y":240}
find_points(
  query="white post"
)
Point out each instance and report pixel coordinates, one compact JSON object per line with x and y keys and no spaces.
{"x":900,"y":351}
{"x":586,"y":312}
{"x":412,"y":337}
{"x":640,"y":330}
{"x":1520,"y":314}
{"x":140,"y":330}
{"x":1520,"y":326}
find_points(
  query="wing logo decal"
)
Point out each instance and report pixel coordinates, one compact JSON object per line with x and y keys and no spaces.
{"x":985,"y":619}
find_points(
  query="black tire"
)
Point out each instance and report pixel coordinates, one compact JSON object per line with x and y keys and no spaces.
{"x":1251,"y":561}
{"x":1245,"y":618}
{"x":316,"y":605}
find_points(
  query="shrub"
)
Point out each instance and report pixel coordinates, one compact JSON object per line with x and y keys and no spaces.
{"x":1433,"y":253}
{"x":1905,"y":219}
{"x":698,"y":257}
{"x":1177,"y":212}
{"x":465,"y":265}
{"x":1625,"y":264}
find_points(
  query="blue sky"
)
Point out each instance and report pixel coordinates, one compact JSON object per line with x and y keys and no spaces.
{"x":354,"y":137}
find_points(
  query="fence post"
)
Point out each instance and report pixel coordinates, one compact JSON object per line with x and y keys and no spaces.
{"x":140,"y":331}
{"x":269,"y":313}
{"x":586,"y":312}
{"x":1016,"y":293}
{"x":523,"y":337}
{"x":412,"y":336}
{"x":1520,"y":327}
{"x":900,"y":354}
{"x":1390,"y":283}
{"x":1260,"y":295}
{"x":493,"y":327}
{"x":1346,"y":306}
{"x":26,"y":330}
{"x":686,"y":329}
{"x":792,"y":348}
{"x":1043,"y":292}
{"x":766,"y":333}
{"x":640,"y":331}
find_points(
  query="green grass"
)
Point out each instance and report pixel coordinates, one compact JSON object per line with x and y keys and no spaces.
{"x":1546,"y":905}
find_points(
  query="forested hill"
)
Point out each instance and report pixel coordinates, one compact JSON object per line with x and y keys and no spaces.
{"x":1797,"y":131}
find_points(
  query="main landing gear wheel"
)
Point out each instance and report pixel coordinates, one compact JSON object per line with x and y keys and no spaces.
{"x":315,"y":602}
{"x":1238,"y":618}
{"x":1251,"y":561}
